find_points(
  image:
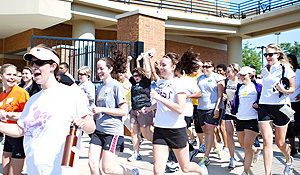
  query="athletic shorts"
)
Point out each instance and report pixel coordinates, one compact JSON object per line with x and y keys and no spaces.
{"x":108,"y":142}
{"x":188,"y":121}
{"x":252,"y":125}
{"x":141,"y":119}
{"x":175,"y":138}
{"x":272,"y":113}
{"x":229,"y":117}
{"x":208,"y":116}
{"x":14,"y":146}
{"x":199,"y":123}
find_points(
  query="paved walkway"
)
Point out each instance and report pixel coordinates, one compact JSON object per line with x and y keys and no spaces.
{"x":216,"y":167}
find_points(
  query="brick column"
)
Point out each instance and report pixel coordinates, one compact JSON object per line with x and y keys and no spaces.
{"x":146,"y":26}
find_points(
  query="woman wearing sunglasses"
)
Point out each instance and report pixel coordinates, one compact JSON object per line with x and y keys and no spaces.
{"x":245,"y":108}
{"x":140,"y":79}
{"x":12,"y":102}
{"x":108,"y":139}
{"x":47,"y":116}
{"x":170,"y":127}
{"x":212,"y":86}
{"x":84,"y":75}
{"x":271,"y":101}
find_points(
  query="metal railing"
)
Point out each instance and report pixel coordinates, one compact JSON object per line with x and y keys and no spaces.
{"x":219,"y":8}
{"x":82,"y":52}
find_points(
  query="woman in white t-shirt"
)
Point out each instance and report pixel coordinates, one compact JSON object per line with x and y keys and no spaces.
{"x":47,"y":116}
{"x":273,"y":97}
{"x":230,"y":89}
{"x":245,"y":108}
{"x":170,"y":127}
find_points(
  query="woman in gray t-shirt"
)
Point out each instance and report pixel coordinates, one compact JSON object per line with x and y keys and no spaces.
{"x":108,"y":139}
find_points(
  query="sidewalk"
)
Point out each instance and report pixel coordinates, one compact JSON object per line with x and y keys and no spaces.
{"x":216,"y":167}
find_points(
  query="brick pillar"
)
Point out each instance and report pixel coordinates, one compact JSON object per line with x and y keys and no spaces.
{"x":146,"y":26}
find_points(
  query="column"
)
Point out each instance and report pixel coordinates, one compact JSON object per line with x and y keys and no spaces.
{"x":234,"y":50}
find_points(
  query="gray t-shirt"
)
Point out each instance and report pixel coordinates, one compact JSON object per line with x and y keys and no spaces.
{"x":110,"y":95}
{"x":209,"y":90}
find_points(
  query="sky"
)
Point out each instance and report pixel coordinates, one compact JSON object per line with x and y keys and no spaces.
{"x":285,"y":37}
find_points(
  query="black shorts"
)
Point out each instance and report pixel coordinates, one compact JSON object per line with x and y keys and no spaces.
{"x":14,"y":146}
{"x":208,"y":116}
{"x":188,"y":121}
{"x":296,"y":107}
{"x":199,"y":123}
{"x":229,"y":117}
{"x":174,"y":138}
{"x":290,"y":133}
{"x":108,"y":142}
{"x":252,"y":125}
{"x":195,"y":113}
{"x":272,"y":113}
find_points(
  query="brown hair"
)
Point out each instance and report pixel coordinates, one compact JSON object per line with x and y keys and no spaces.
{"x":118,"y":63}
{"x":235,"y":67}
{"x":5,"y":66}
{"x":139,"y":71}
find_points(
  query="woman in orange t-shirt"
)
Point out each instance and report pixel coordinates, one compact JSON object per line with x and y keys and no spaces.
{"x":12,"y":102}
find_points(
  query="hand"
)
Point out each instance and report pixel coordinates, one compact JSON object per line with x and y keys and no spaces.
{"x":280,"y":88}
{"x":145,"y":110}
{"x":298,"y":97}
{"x":225,"y":97}
{"x":154,"y":95}
{"x":216,"y":113}
{"x":80,"y":122}
{"x":140,"y":57}
{"x":255,"y":105}
{"x":129,"y":58}
{"x":97,"y":110}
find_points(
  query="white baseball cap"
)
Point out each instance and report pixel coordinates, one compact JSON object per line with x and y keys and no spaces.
{"x":42,"y":54}
{"x":246,"y":70}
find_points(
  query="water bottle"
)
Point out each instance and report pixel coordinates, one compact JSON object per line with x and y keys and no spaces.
{"x":70,"y":147}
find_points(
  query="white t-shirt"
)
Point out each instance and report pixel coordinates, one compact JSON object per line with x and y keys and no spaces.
{"x":191,"y":85}
{"x":209,"y":90}
{"x":89,"y":89}
{"x":46,"y":120}
{"x":247,"y":97}
{"x":268,"y":94}
{"x":230,"y":91}
{"x":297,"y":86}
{"x":165,"y":118}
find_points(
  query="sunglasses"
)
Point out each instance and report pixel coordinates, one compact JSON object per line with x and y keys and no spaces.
{"x":81,"y":74}
{"x":206,"y":66}
{"x":40,"y":62}
{"x":270,"y":54}
{"x":135,"y":75}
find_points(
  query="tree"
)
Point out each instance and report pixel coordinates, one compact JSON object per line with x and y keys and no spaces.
{"x":251,"y":57}
{"x":289,"y":48}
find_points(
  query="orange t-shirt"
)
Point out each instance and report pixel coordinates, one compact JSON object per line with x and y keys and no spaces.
{"x":14,"y":100}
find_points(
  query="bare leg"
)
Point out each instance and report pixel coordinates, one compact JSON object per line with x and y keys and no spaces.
{"x":160,"y":157}
{"x":266,"y":130}
{"x":230,"y":141}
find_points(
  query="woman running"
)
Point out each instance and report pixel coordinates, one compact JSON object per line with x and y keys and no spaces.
{"x":273,"y":97}
{"x":28,"y":83}
{"x":170,"y":127}
{"x":108,"y":139}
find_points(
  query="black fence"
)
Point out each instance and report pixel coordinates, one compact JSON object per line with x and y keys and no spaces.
{"x":219,"y":8}
{"x":82,"y":52}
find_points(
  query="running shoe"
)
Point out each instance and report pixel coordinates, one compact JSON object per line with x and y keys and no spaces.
{"x":193,"y":154}
{"x":244,"y":173}
{"x":205,"y":161}
{"x":219,"y":152}
{"x":136,"y":171}
{"x":134,"y":157}
{"x":256,"y":156}
{"x":288,"y":170}
{"x":193,"y":142}
{"x":232,"y":163}
{"x":201,"y":148}
{"x":205,"y":171}
{"x":173,"y":167}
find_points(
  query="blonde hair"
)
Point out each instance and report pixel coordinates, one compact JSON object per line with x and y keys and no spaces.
{"x":235,"y":67}
{"x":282,"y":58}
{"x":5,"y":66}
{"x":86,"y":70}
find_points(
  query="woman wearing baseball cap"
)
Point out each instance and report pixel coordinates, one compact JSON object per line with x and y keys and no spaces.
{"x":47,"y":115}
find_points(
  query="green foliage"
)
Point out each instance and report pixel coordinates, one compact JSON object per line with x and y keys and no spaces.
{"x":289,"y":48}
{"x":251,"y":57}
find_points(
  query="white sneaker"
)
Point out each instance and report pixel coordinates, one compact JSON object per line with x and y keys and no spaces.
{"x":256,"y":156}
{"x":244,"y":173}
{"x":174,"y":167}
{"x":219,"y":152}
{"x":288,"y":170}
{"x":134,"y":157}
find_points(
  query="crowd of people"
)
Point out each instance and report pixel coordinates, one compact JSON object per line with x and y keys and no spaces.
{"x":158,"y":102}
